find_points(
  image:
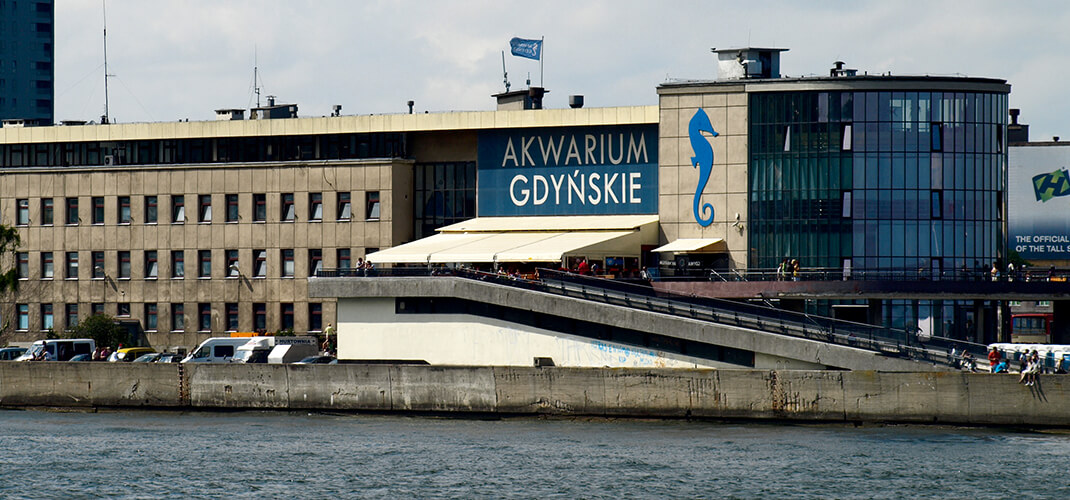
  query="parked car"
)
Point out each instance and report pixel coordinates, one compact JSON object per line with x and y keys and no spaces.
{"x":10,"y":353}
{"x":82,"y":357}
{"x":148,"y":358}
{"x":318,"y":360}
{"x":129,"y":353}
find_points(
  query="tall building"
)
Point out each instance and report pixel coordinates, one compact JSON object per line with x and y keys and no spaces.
{"x":27,"y":92}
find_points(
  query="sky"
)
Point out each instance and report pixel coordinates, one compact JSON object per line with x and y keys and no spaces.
{"x":182,"y":60}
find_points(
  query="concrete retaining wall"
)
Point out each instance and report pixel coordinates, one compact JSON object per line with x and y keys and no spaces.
{"x":855,"y":396}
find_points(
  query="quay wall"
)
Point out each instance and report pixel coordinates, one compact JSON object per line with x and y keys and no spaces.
{"x":789,"y":395}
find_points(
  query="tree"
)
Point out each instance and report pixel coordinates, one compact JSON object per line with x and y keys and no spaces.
{"x":104,"y":330}
{"x":9,"y":242}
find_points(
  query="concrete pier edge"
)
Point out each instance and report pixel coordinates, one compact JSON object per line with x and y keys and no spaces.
{"x":952,"y":398}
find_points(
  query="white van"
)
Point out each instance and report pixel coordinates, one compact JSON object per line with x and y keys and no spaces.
{"x":275,"y":350}
{"x":216,"y":350}
{"x":59,"y":349}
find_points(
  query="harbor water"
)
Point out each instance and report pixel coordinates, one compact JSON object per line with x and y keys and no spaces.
{"x":274,"y":455}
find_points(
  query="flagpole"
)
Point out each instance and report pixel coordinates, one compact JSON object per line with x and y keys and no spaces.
{"x":542,"y":57}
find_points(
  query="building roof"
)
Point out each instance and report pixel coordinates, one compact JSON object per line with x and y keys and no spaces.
{"x":419,"y":122}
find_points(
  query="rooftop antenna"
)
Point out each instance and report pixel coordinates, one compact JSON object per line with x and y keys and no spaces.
{"x":505,"y":74}
{"x":256,"y":86}
{"x":104,"y":8}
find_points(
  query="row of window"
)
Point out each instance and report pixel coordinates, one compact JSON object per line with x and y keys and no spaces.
{"x":124,"y":211}
{"x":178,"y":322}
{"x":204,"y":259}
{"x":205,"y":150}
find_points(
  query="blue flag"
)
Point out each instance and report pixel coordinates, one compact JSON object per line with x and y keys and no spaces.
{"x":531,"y":49}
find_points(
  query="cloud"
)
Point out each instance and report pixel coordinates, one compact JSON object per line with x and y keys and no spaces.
{"x":183,"y":59}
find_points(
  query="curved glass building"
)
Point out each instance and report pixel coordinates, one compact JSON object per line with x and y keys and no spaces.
{"x":900,"y":181}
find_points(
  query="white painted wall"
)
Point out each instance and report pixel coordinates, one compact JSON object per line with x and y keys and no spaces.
{"x":369,"y":329}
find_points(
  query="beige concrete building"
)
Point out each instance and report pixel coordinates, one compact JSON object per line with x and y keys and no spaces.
{"x":192,"y":229}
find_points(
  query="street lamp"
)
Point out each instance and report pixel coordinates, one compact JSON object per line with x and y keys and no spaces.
{"x":104,"y":284}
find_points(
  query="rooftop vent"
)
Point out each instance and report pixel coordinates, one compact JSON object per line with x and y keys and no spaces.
{"x":748,"y":62}
{"x":575,"y":101}
{"x":839,"y":71}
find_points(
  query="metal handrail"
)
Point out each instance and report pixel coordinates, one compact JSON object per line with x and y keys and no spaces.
{"x":769,"y":319}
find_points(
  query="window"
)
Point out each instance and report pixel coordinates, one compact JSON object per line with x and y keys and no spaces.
{"x":287,"y":263}
{"x":178,"y":264}
{"x":936,"y":207}
{"x":232,"y":208}
{"x":287,"y":207}
{"x":97,"y":308}
{"x":259,"y":207}
{"x":47,"y":210}
{"x":98,"y":265}
{"x":286,"y":310}
{"x":47,"y":321}
{"x":372,"y":205}
{"x":204,"y":264}
{"x":204,"y":317}
{"x":343,"y":257}
{"x":72,"y":211}
{"x":48,"y":270}
{"x":846,"y":200}
{"x":22,"y":212}
{"x":260,"y":316}
{"x":260,"y":263}
{"x":315,"y":206}
{"x":315,"y":316}
{"x":22,"y":265}
{"x":847,"y":140}
{"x":178,"y":209}
{"x":315,"y":261}
{"x":72,"y":266}
{"x":178,"y":317}
{"x":232,"y":316}
{"x":152,"y":268}
{"x":124,"y":210}
{"x":937,"y":136}
{"x":232,"y":263}
{"x":150,"y":316}
{"x":72,"y":315}
{"x":124,"y":264}
{"x":24,"y":316}
{"x":204,"y":212}
{"x":151,"y":211}
{"x":98,"y":209}
{"x":122,"y":309}
{"x":345,"y":206}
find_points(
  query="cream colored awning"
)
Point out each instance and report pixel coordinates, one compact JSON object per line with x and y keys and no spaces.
{"x":526,"y":239}
{"x":553,"y":223}
{"x":554,"y":248}
{"x":485,"y":249}
{"x":420,"y":251}
{"x":694,"y":245}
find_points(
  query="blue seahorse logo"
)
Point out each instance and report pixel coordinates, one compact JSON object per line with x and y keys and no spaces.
{"x":703,"y":159}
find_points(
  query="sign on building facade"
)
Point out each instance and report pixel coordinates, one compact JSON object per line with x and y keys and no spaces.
{"x":611,"y":170}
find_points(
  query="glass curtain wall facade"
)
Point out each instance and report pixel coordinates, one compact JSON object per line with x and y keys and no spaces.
{"x":445,"y":194}
{"x":902,"y":184}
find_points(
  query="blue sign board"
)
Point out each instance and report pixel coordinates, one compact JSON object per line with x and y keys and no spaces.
{"x":607,"y":170}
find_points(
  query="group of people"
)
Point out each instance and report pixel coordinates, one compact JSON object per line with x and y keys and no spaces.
{"x":1031,"y":365}
{"x":102,"y":353}
{"x":788,"y":270}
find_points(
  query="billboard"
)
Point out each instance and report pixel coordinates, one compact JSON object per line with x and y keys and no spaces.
{"x":1038,"y":201}
{"x":605,"y":170}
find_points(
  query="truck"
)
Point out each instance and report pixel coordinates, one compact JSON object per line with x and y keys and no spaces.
{"x":275,"y":350}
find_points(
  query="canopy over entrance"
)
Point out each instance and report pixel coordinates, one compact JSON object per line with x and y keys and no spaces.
{"x":694,"y":245}
{"x":527,"y":239}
